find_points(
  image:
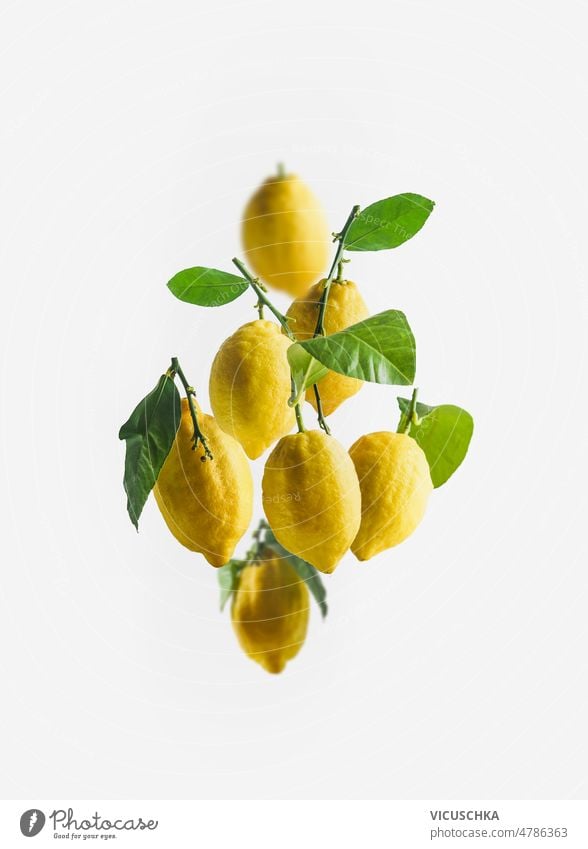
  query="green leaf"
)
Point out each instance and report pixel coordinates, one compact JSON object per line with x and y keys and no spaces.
{"x":444,"y":434}
{"x":307,"y":572}
{"x":380,"y":349}
{"x":306,"y":371}
{"x":313,"y":581}
{"x":149,"y":434}
{"x":207,"y":287}
{"x":388,"y":223}
{"x":421,"y":409}
{"x":228,"y":578}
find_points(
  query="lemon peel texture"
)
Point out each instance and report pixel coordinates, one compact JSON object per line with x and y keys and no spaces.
{"x":395,"y":484}
{"x":311,"y":497}
{"x":207,"y":505}
{"x":250,"y":386}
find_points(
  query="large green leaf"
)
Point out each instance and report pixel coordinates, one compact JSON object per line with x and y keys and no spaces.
{"x":380,"y":349}
{"x":207,"y":287}
{"x":388,"y":223}
{"x":149,"y":434}
{"x":306,"y":371}
{"x":444,"y":434}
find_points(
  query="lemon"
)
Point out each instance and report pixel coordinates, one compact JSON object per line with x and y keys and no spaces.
{"x":311,"y":497}
{"x":270,"y":612}
{"x":344,"y":308}
{"x":395,"y":486}
{"x":285,"y":234}
{"x":206,"y":505}
{"x":250,"y":386}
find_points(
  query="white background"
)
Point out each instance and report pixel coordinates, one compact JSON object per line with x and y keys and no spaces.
{"x":132,"y":134}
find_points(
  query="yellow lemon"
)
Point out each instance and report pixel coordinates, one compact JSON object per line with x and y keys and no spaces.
{"x":311,"y":497}
{"x":344,"y":308}
{"x":206,"y":505}
{"x":395,"y":486}
{"x":285,"y":234}
{"x":270,"y":612}
{"x":250,"y":386}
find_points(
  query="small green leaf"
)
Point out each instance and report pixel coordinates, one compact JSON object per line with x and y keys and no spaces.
{"x":306,"y":371}
{"x":228,"y":578}
{"x":380,"y":349}
{"x":149,"y":434}
{"x":207,"y":287}
{"x":307,"y":572}
{"x":388,"y":223}
{"x":444,"y":434}
{"x":421,"y":409}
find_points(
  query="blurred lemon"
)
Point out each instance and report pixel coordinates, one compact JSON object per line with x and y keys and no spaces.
{"x":285,"y":234}
{"x":270,"y":612}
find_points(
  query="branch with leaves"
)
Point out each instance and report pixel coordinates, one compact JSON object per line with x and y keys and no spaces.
{"x":380,"y":349}
{"x":264,"y":545}
{"x":149,"y":433}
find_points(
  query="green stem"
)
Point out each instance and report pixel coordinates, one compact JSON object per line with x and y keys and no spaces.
{"x":259,"y":545}
{"x":198,"y":436}
{"x":299,"y":421}
{"x":281,"y":170}
{"x":319,"y":329}
{"x":319,"y":409}
{"x":255,"y":547}
{"x":406,"y":419}
{"x":262,"y":297}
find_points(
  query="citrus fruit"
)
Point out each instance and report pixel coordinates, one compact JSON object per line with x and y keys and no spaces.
{"x":206,"y":505}
{"x":250,"y":386}
{"x":270,"y":612}
{"x":344,"y":308}
{"x":285,"y":234}
{"x":395,"y":486}
{"x":311,"y":497}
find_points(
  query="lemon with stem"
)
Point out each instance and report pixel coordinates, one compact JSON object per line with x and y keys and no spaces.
{"x":250,"y":385}
{"x":206,"y":503}
{"x":346,"y":306}
{"x":395,"y":482}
